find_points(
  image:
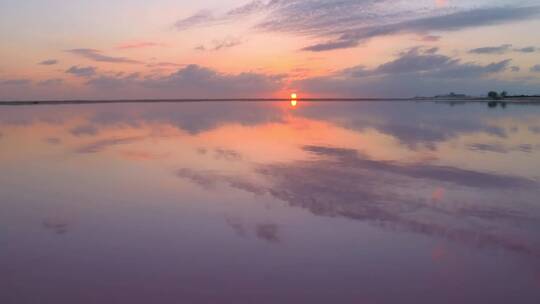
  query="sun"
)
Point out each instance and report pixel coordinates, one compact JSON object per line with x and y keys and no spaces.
{"x":294,"y":102}
{"x":294,"y":96}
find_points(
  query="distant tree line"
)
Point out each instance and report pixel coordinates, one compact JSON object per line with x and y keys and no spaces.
{"x":496,"y":99}
{"x":496,"y":96}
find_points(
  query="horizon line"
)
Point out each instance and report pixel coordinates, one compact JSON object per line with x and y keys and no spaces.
{"x":316,"y":99}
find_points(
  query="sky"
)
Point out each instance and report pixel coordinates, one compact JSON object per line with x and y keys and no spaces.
{"x":131,"y":49}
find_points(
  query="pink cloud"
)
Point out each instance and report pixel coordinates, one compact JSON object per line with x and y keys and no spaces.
{"x":138,"y":45}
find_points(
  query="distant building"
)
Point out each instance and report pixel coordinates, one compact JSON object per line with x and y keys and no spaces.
{"x":452,"y":95}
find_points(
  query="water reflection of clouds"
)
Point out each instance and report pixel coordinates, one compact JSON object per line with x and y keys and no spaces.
{"x":84,"y":130}
{"x":143,"y":155}
{"x":424,"y":196}
{"x":267,"y":232}
{"x":103,"y":144}
{"x":332,"y":188}
{"x":340,"y":182}
{"x":56,"y":225}
{"x":419,"y":125}
{"x":416,"y":126}
{"x":227,"y":154}
{"x":191,"y":117}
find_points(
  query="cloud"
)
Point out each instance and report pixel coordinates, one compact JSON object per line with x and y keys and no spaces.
{"x":164,"y":64}
{"x":197,"y":19}
{"x":53,"y":140}
{"x":502,"y":49}
{"x":97,"y":55}
{"x":536,"y":68}
{"x":417,"y":60}
{"x":220,"y":44}
{"x":415,"y":71}
{"x":498,"y":148}
{"x":206,"y":17}
{"x":194,"y":81}
{"x":15,"y":82}
{"x":529,"y":49}
{"x":113,"y":82}
{"x":505,"y":48}
{"x":450,"y":22}
{"x":430,"y":38}
{"x":51,"y":82}
{"x":347,"y":23}
{"x":81,"y":71}
{"x":193,"y":78}
{"x":49,"y":62}
{"x":138,"y":45}
{"x":332,"y":45}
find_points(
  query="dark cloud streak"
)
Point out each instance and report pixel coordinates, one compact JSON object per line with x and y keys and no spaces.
{"x":97,"y":55}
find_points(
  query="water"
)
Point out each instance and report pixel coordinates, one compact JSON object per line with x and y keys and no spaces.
{"x":372,"y":202}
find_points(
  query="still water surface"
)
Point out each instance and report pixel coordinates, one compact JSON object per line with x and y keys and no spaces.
{"x":388,"y":202}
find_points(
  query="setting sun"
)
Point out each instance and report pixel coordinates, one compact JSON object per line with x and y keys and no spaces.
{"x":294,"y":96}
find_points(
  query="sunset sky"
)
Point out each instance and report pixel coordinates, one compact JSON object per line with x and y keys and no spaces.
{"x":57,"y":49}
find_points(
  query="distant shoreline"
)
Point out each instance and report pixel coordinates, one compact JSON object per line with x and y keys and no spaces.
{"x":509,"y":100}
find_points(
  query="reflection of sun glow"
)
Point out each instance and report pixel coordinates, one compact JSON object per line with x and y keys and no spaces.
{"x":294,"y":102}
{"x":441,"y":3}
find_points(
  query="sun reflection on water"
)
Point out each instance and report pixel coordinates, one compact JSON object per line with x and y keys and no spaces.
{"x":294,"y":103}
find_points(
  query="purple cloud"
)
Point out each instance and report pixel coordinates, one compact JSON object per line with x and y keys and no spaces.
{"x":82,"y":71}
{"x":15,"y":82}
{"x":49,"y":62}
{"x":98,"y":56}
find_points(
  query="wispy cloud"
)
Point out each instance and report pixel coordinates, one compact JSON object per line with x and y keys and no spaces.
{"x":51,"y":82}
{"x":217,"y":45}
{"x":414,"y":71}
{"x":138,"y":45}
{"x":49,"y":62}
{"x":98,"y":56}
{"x":15,"y":82}
{"x":347,"y":23}
{"x":449,"y":22}
{"x":428,"y":63}
{"x":536,"y":68}
{"x":81,"y":71}
{"x":197,"y":19}
{"x":502,"y":49}
{"x":207,"y":17}
{"x":529,"y":49}
{"x":430,"y":38}
{"x":164,"y":64}
{"x":196,"y":81}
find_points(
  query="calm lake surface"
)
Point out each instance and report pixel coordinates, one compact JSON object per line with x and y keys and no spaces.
{"x":370,"y":202}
